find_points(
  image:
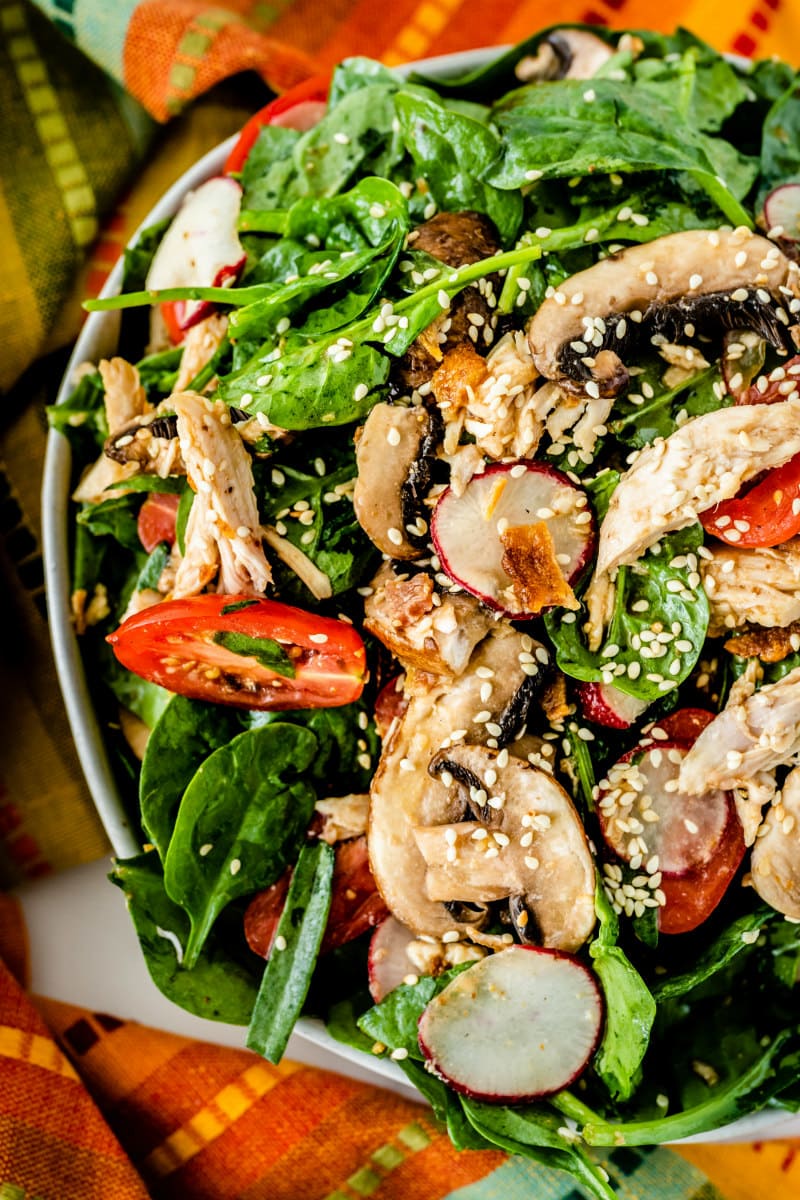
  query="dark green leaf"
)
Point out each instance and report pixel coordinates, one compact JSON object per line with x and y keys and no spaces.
{"x":137,"y":258}
{"x":394,"y":1021}
{"x":294,"y":952}
{"x":182,"y":519}
{"x":722,"y":951}
{"x":114,"y":518}
{"x":241,"y":820}
{"x":218,"y":986}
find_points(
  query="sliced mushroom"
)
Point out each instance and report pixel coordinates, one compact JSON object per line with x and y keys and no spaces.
{"x":710,"y":280}
{"x":564,"y":54}
{"x":489,"y":700}
{"x":775,"y":861}
{"x":528,"y":843}
{"x":392,"y":476}
{"x":424,"y":630}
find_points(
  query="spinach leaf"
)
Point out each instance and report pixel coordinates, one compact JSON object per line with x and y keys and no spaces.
{"x":341,"y":1023}
{"x":138,"y":257}
{"x":241,"y":820}
{"x":315,"y":513}
{"x":630,"y":1008}
{"x":266,"y":651}
{"x":218,"y":986}
{"x":158,"y":372}
{"x":780,"y":142}
{"x":619,"y":129}
{"x":186,"y":733}
{"x":182,"y":519}
{"x":348,"y":744}
{"x":82,"y":417}
{"x":774,"y":1069}
{"x":647,"y":412}
{"x":434,"y":1090}
{"x":454,"y":153}
{"x":732,"y":942}
{"x":148,"y":577}
{"x":114,"y":518}
{"x":537,"y":1134}
{"x":287,"y":976}
{"x":307,"y":386}
{"x":324,"y":162}
{"x":655,"y":590}
{"x":269,"y":170}
{"x":171,"y":484}
{"x":354,"y":74}
{"x":394,"y":1021}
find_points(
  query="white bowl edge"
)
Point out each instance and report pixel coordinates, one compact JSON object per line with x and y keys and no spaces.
{"x":98,"y":338}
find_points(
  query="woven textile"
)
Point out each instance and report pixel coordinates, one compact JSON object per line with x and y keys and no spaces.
{"x":105,"y":103}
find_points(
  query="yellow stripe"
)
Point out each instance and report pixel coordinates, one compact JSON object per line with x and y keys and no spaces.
{"x":413,"y":40}
{"x":232,"y":1102}
{"x":59,"y":148}
{"x":369,"y":1177}
{"x":21,"y":339}
{"x":35,"y":1049}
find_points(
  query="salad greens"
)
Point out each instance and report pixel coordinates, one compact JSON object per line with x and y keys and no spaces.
{"x":338,"y":308}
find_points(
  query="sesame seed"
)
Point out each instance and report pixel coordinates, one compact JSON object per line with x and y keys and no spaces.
{"x":205,"y":849}
{"x":280,"y":942}
{"x":235,"y":866}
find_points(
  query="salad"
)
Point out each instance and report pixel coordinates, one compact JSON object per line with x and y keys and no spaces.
{"x":436,"y":560}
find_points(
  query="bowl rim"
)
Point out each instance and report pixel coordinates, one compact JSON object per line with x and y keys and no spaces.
{"x":98,"y":337}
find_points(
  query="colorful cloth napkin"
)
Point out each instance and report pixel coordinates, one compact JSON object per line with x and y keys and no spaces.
{"x":91,"y":1106}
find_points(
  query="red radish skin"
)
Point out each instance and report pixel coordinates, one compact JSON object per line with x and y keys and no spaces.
{"x":517,"y":1026}
{"x":467,"y":541}
{"x":201,"y":248}
{"x":390,"y":704}
{"x":387,"y":962}
{"x":606,"y":705}
{"x":782,"y":211}
{"x":693,"y":851}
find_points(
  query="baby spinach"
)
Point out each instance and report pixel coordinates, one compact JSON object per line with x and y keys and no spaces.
{"x":325,"y":163}
{"x":241,"y":820}
{"x":658,"y":585}
{"x":347,"y":744}
{"x":82,"y":417}
{"x":148,"y":577}
{"x":394,"y":1021}
{"x":454,"y":153}
{"x":733,"y":941}
{"x":219,"y":986}
{"x":269,"y":171}
{"x":629,"y":1009}
{"x":186,"y":733}
{"x":146,"y":700}
{"x":780,"y":142}
{"x":114,"y":518}
{"x":266,"y":651}
{"x":641,"y":420}
{"x":138,"y":257}
{"x":286,"y":980}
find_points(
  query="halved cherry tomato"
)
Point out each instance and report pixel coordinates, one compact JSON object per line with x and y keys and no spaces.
{"x":299,"y":108}
{"x":765,"y":515}
{"x":356,"y":903}
{"x":216,"y":648}
{"x":156,"y":520}
{"x":172,"y":312}
{"x":390,"y":704}
{"x":776,"y":390}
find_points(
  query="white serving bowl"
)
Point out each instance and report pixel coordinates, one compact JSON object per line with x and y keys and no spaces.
{"x":98,"y":339}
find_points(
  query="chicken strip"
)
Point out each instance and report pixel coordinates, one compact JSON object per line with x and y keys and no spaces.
{"x":223,"y":532}
{"x":742,"y":746}
{"x":775,"y":861}
{"x":758,"y":587}
{"x":125,"y":400}
{"x":199,"y":347}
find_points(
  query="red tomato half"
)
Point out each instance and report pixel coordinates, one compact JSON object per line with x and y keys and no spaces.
{"x":356,"y":903}
{"x":172,"y":312}
{"x":763,"y":516}
{"x":156,"y":520}
{"x":215,"y":647}
{"x":299,"y":108}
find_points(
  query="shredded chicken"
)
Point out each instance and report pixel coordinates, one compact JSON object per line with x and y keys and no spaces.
{"x":125,"y":400}
{"x":752,"y":587}
{"x":343,"y":816}
{"x":775,"y":861}
{"x":742,"y":746}
{"x":705,"y":461}
{"x":199,"y":347}
{"x":223,"y":532}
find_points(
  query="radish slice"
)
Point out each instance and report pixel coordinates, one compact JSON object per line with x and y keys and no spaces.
{"x":201,"y":248}
{"x":643,"y":815}
{"x":782,"y":208}
{"x":518,"y":1025}
{"x":466,"y":529}
{"x":388,"y":963}
{"x":607,"y":705}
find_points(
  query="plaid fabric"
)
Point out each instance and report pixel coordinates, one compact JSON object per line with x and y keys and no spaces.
{"x":118,"y":1110}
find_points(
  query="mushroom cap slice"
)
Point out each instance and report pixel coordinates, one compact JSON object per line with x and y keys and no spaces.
{"x":391,"y":441}
{"x":532,"y":844}
{"x":564,"y":54}
{"x":734,"y":278}
{"x":403,"y":795}
{"x":775,"y":861}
